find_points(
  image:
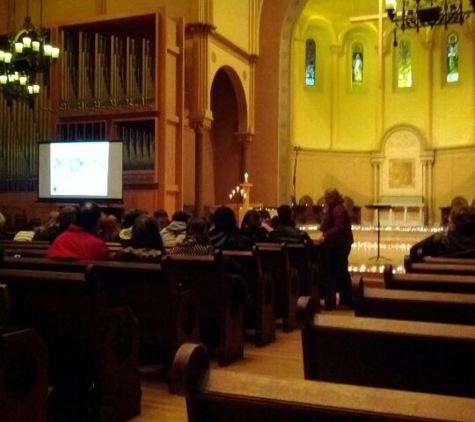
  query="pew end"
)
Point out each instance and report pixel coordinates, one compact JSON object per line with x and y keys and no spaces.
{"x":23,"y":376}
{"x":215,"y":395}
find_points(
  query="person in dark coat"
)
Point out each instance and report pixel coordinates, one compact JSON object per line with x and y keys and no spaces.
{"x":337,"y":240}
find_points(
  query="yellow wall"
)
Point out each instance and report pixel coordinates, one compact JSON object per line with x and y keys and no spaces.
{"x":231,"y":18}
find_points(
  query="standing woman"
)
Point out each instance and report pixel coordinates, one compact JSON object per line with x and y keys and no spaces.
{"x":337,"y":240}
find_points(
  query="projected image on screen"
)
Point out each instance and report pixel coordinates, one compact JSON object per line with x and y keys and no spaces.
{"x":81,"y":170}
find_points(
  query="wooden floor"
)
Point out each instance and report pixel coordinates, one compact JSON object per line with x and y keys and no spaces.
{"x":283,"y":358}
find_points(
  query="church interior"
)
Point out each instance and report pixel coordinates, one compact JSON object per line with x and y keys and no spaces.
{"x":282,"y":99}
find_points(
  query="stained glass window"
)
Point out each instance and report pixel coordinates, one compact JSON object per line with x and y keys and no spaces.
{"x":357,"y":65}
{"x":310,"y":63}
{"x":452,"y":57}
{"x":404,"y":64}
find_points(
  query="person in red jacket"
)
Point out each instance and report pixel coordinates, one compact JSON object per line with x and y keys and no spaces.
{"x":337,"y":240}
{"x":80,"y":240}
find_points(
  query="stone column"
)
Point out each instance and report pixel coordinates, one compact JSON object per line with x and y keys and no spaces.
{"x":245,"y":139}
{"x":201,"y":128}
{"x":200,"y":108}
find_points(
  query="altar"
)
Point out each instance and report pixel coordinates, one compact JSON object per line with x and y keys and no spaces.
{"x":401,"y":211}
{"x":402,"y":178}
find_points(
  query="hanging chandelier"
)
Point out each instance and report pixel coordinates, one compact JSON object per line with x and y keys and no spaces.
{"x":27,"y":55}
{"x":420,"y":13}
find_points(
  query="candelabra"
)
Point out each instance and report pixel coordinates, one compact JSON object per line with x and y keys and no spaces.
{"x":27,"y":55}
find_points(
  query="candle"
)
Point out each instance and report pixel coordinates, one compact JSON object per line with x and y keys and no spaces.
{"x":48,"y":50}
{"x":18,"y":47}
{"x":55,"y":52}
{"x":246,"y":177}
{"x":27,"y":42}
{"x":35,"y":46}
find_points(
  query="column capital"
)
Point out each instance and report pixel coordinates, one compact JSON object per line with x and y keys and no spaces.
{"x":244,"y":137}
{"x":201,"y":126}
{"x":199,"y":28}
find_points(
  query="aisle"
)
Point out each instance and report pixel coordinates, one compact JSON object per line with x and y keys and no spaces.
{"x":283,"y":358}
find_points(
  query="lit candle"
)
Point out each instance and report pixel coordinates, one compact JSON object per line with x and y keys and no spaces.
{"x":35,"y":45}
{"x":36,"y":89}
{"x":27,"y":42}
{"x":18,"y":47}
{"x":48,"y":50}
{"x":8,"y":57}
{"x":30,"y":89}
{"x":3,"y":79}
{"x":2,"y":56}
{"x":230,"y":196}
{"x":55,"y":52}
{"x":22,"y":80}
{"x":246,"y":177}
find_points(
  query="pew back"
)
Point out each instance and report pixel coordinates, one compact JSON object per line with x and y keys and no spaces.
{"x":23,"y":376}
{"x":214,"y":395}
{"x":220,"y":297}
{"x":429,"y":282}
{"x":258,"y":312}
{"x":404,"y":355}
{"x":88,"y":343}
{"x":167,"y":312}
{"x":452,"y":308}
{"x":275,"y":260}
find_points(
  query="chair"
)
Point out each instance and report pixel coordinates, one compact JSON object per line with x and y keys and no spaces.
{"x":306,"y":200}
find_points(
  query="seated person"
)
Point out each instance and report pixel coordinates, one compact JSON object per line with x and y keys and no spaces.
{"x":196,"y":241}
{"x":175,"y":232}
{"x":145,"y":244}
{"x":109,"y":228}
{"x":457,"y":241}
{"x":125,"y":232}
{"x":162,"y":219}
{"x":27,"y":235}
{"x":286,"y":231}
{"x":252,"y":228}
{"x":80,"y":240}
{"x":266,"y":220}
{"x":48,"y":231}
{"x":225,"y":233}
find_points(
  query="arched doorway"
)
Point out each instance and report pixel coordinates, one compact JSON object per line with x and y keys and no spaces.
{"x":229,"y":110}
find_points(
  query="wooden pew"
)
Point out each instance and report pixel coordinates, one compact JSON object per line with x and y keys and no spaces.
{"x":167,"y":314}
{"x":23,"y":376}
{"x":258,"y":312}
{"x":275,"y":260}
{"x":44,"y":264}
{"x":402,"y":355}
{"x":214,"y":395}
{"x":439,"y":265}
{"x":220,"y":298}
{"x":167,"y":311}
{"x":429,"y":282}
{"x":88,"y":343}
{"x":304,"y":259}
{"x":39,"y":249}
{"x":26,"y":252}
{"x":5,"y":309}
{"x":451,"y":308}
